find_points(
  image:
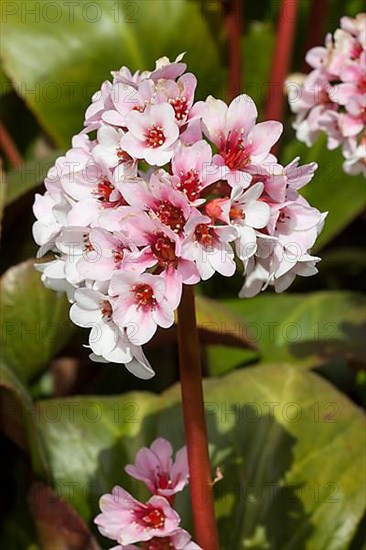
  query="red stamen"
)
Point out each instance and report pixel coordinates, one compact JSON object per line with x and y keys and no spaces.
{"x":118,"y":254}
{"x":180,"y":106}
{"x":190,"y":184}
{"x":164,"y":250}
{"x":235,"y":153}
{"x":171,"y":215}
{"x":103,"y":194}
{"x":155,"y":137}
{"x":154,"y":518}
{"x":205,"y":234}
{"x":106,"y":309}
{"x":236,"y":213}
{"x":144,"y":295}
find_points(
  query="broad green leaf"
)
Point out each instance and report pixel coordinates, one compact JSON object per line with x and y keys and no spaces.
{"x":331,"y":190}
{"x":220,"y":325}
{"x":57,"y":61}
{"x":30,"y":175}
{"x":306,"y":329}
{"x":290,"y":446}
{"x":5,"y":84}
{"x":19,"y":420}
{"x":35,"y":322}
{"x":221,"y":360}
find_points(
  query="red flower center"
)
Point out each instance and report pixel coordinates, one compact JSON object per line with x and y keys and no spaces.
{"x":164,"y":482}
{"x":356,"y":51}
{"x":164,"y":250}
{"x":139,"y":108}
{"x":144,"y":295}
{"x":155,"y":137}
{"x":205,"y":234}
{"x":180,"y":106}
{"x":88,"y":247}
{"x":362,"y":85}
{"x":172,"y":216}
{"x":118,"y":254}
{"x":190,"y":184}
{"x":236,"y":213}
{"x":106,"y":309}
{"x":103,"y":194}
{"x":123,"y":156}
{"x":282,"y":217}
{"x":152,"y":518}
{"x":324,"y":98}
{"x":235,"y":153}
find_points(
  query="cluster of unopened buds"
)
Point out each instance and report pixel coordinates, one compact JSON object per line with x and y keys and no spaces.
{"x":332,"y":98}
{"x":158,"y":191}
{"x":154,"y":524}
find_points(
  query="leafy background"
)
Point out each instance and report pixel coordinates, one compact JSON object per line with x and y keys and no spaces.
{"x":285,"y":384}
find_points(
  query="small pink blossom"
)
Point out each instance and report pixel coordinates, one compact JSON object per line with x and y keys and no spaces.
{"x":193,"y":169}
{"x":156,"y":468}
{"x":152,"y":135}
{"x":142,"y":305}
{"x":242,"y":143}
{"x":208,"y":246}
{"x":127,"y":520}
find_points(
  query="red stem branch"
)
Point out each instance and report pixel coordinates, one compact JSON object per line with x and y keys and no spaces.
{"x":233,"y":23}
{"x":10,"y":149}
{"x":195,"y":424}
{"x":281,"y":59}
{"x":315,"y":29}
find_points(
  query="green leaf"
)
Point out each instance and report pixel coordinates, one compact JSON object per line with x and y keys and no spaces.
{"x":5,"y":84}
{"x":30,"y":175}
{"x":288,"y":444}
{"x":222,"y":359}
{"x":220,"y":325}
{"x":306,"y":329}
{"x":331,"y":190}
{"x":35,"y":321}
{"x":19,"y":421}
{"x":57,"y":61}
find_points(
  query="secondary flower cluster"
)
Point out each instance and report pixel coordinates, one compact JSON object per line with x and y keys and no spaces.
{"x":332,"y":98}
{"x":158,"y":191}
{"x":154,"y":523}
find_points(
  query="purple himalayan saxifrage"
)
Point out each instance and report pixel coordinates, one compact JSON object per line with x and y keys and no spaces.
{"x":158,"y":191}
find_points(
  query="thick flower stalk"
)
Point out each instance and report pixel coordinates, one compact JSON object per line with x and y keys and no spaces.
{"x":159,"y":191}
{"x":331,"y":98}
{"x":155,"y":524}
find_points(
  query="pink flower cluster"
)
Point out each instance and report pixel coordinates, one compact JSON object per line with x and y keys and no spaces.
{"x":159,"y":191}
{"x":332,"y":98}
{"x":155,"y":523}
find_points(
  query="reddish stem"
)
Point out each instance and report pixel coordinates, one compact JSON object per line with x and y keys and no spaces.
{"x":281,"y":59}
{"x":195,"y":424}
{"x":315,"y":29}
{"x":8,"y":146}
{"x":233,"y":23}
